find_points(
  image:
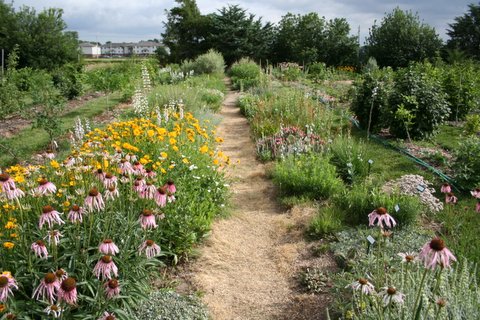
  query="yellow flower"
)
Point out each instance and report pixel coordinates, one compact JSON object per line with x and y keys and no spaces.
{"x":54,"y":164}
{"x":10,"y":225}
{"x":185,"y":160}
{"x":2,"y":307}
{"x":216,"y":162}
{"x":219,"y":140}
{"x":204,"y":149}
{"x":66,"y":204}
{"x":163,"y":170}
{"x":8,"y":245}
{"x":150,"y":133}
{"x":175,"y":148}
{"x":163,"y":155}
{"x":14,"y":235}
{"x":19,"y":178}
{"x":172,"y":141}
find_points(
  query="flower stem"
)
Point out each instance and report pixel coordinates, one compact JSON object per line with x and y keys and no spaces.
{"x":419,"y":291}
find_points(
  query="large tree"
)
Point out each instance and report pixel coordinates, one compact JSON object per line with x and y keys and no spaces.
{"x":236,"y":34}
{"x":465,"y":32}
{"x":401,"y":38}
{"x":185,"y":31}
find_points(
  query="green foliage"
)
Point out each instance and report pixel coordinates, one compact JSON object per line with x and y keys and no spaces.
{"x":166,"y":305}
{"x":209,"y":63}
{"x":245,"y":74}
{"x":326,"y":222}
{"x":349,"y":157}
{"x":288,"y":71}
{"x":311,"y":175}
{"x":461,"y":84}
{"x":467,"y":162}
{"x":317,"y":71}
{"x":401,"y":38}
{"x":361,"y":199}
{"x":371,"y":94}
{"x":418,"y":89}
{"x":461,"y":35}
{"x":69,"y":80}
{"x":472,"y":125}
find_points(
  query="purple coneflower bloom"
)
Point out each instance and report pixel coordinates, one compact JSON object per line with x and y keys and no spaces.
{"x":61,"y":274}
{"x":170,"y":186}
{"x":94,"y":200}
{"x":476,"y":193}
{"x":110,"y":181}
{"x":445,"y":188}
{"x":435,"y":252}
{"x":150,"y":247}
{"x":76,"y":214}
{"x":148,"y":191}
{"x":138,"y":185}
{"x":68,"y":291}
{"x":450,"y":198}
{"x":6,"y":182}
{"x":383,"y":218}
{"x":108,"y":247}
{"x":15,"y":193}
{"x":147,"y":219}
{"x":363,"y":285}
{"x":47,"y":288}
{"x":112,"y":288}
{"x":126,"y":167}
{"x":149,"y":173}
{"x":105,"y":267}
{"x":49,"y":216}
{"x":391,"y":295}
{"x":54,"y":310}
{"x":111,"y":193}
{"x":45,"y":187}
{"x":40,"y":250}
{"x":161,"y":197}
{"x":138,"y":168}
{"x":53,"y":236}
{"x":131,"y":157}
{"x":7,"y":282}
{"x":99,"y":174}
{"x":107,"y":316}
{"x":408,"y":257}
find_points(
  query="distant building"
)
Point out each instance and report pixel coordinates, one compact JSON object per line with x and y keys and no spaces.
{"x":141,"y":48}
{"x":91,"y":50}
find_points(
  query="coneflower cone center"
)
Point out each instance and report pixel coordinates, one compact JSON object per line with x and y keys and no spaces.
{"x":69,"y":284}
{"x":76,"y":208}
{"x":162,"y":190}
{"x":59,"y":273}
{"x":54,"y":308}
{"x":391,"y":291}
{"x":107,"y":259}
{"x":50,"y":278}
{"x":362,"y":281}
{"x":113,"y":284}
{"x":150,"y":243}
{"x":3,"y":281}
{"x":109,"y":176}
{"x":110,"y":318}
{"x":4,"y":177}
{"x":409,"y":258}
{"x":47,"y":209}
{"x":93,"y":192}
{"x":43,"y":182}
{"x":437,"y":244}
{"x":40,"y":243}
{"x":381,"y":211}
{"x":147,"y":212}
{"x":107,"y":241}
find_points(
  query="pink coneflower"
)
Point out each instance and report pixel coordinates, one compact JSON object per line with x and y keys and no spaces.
{"x":150,"y":247}
{"x":49,"y":216}
{"x":445,"y":188}
{"x":108,"y":247}
{"x":110,"y":181}
{"x":147,"y":219}
{"x":450,"y":198}
{"x":161,"y":197}
{"x":138,"y":168}
{"x":131,"y":157}
{"x":47,"y":288}
{"x":111,"y":193}
{"x":170,"y":186}
{"x":94,"y":200}
{"x":112,"y":288}
{"x":15,"y":193}
{"x":53,"y":310}
{"x":126,"y":167}
{"x":107,"y":316}
{"x":99,"y":174}
{"x":408,"y":257}
{"x":45,"y":187}
{"x":53,"y":236}
{"x":149,"y":173}
{"x":49,"y":154}
{"x":170,"y":197}
{"x":68,"y":291}
{"x":390,"y":295}
{"x":61,"y":274}
{"x":76,"y":214}
{"x":105,"y":267}
{"x":40,"y":250}
{"x":7,"y":282}
{"x":148,"y":191}
{"x":476,"y":193}
{"x":383,"y":218}
{"x":6,"y":182}
{"x":435,"y":252}
{"x":138,"y":185}
{"x":363,"y":285}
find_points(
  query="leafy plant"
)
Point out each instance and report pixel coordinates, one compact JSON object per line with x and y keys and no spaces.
{"x":209,"y":63}
{"x":245,"y":74}
{"x":350,"y":159}
{"x":472,"y":125}
{"x":327,"y":221}
{"x":467,"y":162}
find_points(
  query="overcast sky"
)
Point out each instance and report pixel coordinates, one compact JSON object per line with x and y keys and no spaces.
{"x":130,"y":20}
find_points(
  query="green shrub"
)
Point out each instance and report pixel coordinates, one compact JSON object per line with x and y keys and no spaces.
{"x":327,"y":221}
{"x":245,"y":74}
{"x":418,"y":89}
{"x":317,"y":71}
{"x":68,"y":79}
{"x":211,"y":62}
{"x":248,"y":105}
{"x":472,"y":125}
{"x":168,"y":305}
{"x":371,"y":94}
{"x":289,"y":71}
{"x":11,"y":100}
{"x":349,"y":157}
{"x":311,"y":175}
{"x":212,"y":97}
{"x":467,"y":162}
{"x":357,"y":202}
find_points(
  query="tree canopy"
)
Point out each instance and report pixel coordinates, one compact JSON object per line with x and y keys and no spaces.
{"x":401,"y":38}
{"x":465,"y":32}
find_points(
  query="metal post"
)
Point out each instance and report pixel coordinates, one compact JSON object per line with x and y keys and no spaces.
{"x":3,"y":62}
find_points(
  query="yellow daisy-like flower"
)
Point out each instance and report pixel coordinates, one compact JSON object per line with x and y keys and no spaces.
{"x":185,"y":160}
{"x":219,"y":140}
{"x":175,"y":148}
{"x":10,"y":225}
{"x":150,"y":133}
{"x":8,"y":245}
{"x":163,"y":155}
{"x":54,"y":164}
{"x":204,"y":149}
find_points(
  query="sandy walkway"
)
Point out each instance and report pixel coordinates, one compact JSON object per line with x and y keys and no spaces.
{"x":248,"y":266}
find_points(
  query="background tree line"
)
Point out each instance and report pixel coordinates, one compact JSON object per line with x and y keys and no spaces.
{"x":400,"y":38}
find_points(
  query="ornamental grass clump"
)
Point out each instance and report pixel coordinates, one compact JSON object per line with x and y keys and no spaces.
{"x":87,"y":235}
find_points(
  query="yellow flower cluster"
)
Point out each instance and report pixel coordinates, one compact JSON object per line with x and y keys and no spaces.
{"x":346,"y":68}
